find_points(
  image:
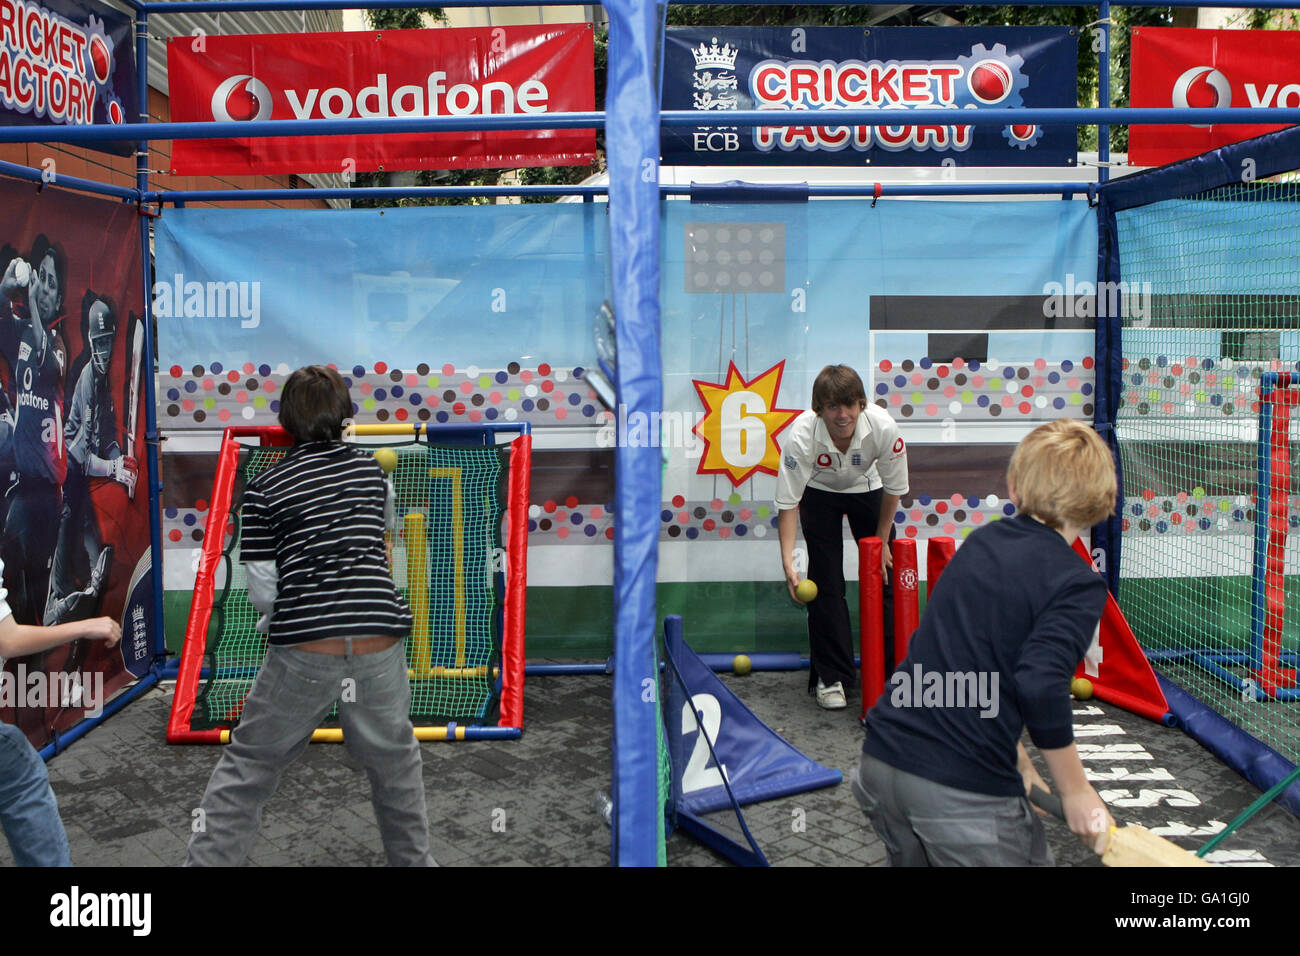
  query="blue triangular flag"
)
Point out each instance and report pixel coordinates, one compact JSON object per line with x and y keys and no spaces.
{"x":758,"y":763}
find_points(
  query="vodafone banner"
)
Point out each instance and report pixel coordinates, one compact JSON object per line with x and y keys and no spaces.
{"x":396,"y":73}
{"x":1208,"y":69}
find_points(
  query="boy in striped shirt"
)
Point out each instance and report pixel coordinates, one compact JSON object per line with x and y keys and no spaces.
{"x":313,"y":549}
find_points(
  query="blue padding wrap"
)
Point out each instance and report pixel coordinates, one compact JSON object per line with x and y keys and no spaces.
{"x":760,"y":764}
{"x":632,"y":144}
{"x":1109,"y":351}
{"x":1260,"y":764}
{"x":736,"y":191}
{"x":1262,"y":156}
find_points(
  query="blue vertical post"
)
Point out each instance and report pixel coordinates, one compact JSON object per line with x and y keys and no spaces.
{"x":632,"y":146}
{"x":1103,"y":91}
{"x":1263,"y":486}
{"x":146,"y":361}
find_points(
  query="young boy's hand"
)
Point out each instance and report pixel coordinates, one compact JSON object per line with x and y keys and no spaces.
{"x":1088,"y":818}
{"x":1029,"y":774}
{"x":102,"y":629}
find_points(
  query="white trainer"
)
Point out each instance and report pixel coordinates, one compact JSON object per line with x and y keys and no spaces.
{"x":831,"y":698}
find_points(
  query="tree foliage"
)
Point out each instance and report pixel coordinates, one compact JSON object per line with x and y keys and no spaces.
{"x":409,"y":19}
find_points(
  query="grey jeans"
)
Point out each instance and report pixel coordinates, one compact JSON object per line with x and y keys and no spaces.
{"x":923,"y":823}
{"x":292,"y":694}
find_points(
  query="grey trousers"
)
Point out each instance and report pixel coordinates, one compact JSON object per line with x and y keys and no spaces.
{"x":292,"y":694}
{"x":923,"y":823}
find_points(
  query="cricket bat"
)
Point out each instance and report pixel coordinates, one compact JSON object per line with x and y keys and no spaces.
{"x":133,"y":399}
{"x":1130,"y":845}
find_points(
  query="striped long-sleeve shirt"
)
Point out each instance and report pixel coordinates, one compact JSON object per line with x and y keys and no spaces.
{"x":319,"y":515}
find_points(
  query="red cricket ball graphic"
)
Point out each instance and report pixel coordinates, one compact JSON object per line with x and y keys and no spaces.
{"x":101,"y":59}
{"x":990,"y":81}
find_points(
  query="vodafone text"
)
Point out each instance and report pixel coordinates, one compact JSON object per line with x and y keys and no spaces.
{"x":434,"y":98}
{"x":1285,"y":97}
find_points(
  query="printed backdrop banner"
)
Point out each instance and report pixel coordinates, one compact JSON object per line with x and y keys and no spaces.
{"x":1208,"y":69}
{"x":74,"y":525}
{"x":896,"y":68}
{"x":66,"y":63}
{"x":470,"y":285}
{"x":397,"y":73}
{"x":479,"y":314}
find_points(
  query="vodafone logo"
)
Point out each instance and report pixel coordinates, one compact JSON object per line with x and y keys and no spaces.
{"x":898,"y":446}
{"x":823,"y":460}
{"x":1202,"y":87}
{"x":241,"y":98}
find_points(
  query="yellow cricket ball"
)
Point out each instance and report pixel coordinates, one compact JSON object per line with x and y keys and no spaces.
{"x":1081,"y":688}
{"x":387,"y":459}
{"x":742,"y":665}
{"x":805,"y":591}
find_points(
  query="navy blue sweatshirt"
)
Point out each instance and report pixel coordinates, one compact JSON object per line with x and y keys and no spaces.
{"x":1003,"y":632}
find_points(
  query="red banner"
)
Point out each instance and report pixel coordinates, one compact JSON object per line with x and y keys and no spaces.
{"x":524,"y":70}
{"x":1208,"y":69}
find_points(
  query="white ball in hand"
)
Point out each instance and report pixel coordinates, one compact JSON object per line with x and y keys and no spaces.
{"x":22,"y":273}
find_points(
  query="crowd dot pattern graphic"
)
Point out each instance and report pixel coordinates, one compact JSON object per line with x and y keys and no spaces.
{"x":961,"y":390}
{"x":216,"y":396}
{"x":570,"y":521}
{"x":1193,"y":386}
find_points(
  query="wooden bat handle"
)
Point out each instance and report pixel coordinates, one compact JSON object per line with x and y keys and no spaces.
{"x":1047,"y":801}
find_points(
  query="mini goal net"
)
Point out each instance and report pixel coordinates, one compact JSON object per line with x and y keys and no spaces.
{"x":459,"y":558}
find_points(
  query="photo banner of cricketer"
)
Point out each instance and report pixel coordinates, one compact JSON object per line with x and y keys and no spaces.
{"x":74,"y":517}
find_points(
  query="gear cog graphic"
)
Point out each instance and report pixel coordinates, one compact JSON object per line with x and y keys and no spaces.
{"x":993,"y":77}
{"x":1022,"y":136}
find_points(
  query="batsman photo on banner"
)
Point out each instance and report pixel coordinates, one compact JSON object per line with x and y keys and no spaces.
{"x":74,"y":518}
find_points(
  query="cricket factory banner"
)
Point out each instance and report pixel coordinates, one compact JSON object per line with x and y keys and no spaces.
{"x":527,"y":70}
{"x":67,"y":63}
{"x":822,"y":69}
{"x":74,"y":520}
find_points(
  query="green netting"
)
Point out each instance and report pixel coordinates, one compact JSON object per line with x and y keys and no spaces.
{"x":1210,"y":305}
{"x":449,"y":563}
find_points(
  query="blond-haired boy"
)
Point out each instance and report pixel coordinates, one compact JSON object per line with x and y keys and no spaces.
{"x":943,"y":775}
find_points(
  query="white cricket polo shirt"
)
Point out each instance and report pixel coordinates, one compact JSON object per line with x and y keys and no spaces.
{"x":876,"y":456}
